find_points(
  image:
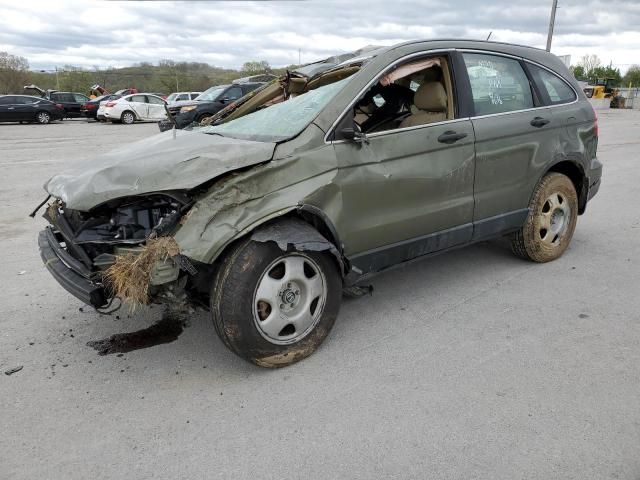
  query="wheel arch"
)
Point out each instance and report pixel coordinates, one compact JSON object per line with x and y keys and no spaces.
{"x":309,"y":214}
{"x":575,"y":172}
{"x":135,"y":117}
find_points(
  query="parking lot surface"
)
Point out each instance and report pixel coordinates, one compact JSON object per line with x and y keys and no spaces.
{"x":471,"y":364}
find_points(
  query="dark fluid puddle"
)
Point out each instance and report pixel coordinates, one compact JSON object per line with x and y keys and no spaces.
{"x":166,"y":330}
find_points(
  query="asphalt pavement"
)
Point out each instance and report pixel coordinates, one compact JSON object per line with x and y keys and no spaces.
{"x":469,"y":365}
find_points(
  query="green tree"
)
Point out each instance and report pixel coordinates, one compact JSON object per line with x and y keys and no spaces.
{"x":578,"y":72}
{"x":255,"y":68}
{"x":606,"y":72}
{"x":14,"y":73}
{"x":632,"y":76}
{"x":588,"y":63}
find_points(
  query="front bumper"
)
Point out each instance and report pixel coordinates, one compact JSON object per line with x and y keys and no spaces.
{"x":69,"y":272}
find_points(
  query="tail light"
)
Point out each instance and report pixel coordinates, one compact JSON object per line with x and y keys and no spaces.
{"x":110,"y":104}
{"x":89,"y":106}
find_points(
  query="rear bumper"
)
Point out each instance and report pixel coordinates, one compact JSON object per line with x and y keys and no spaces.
{"x":69,"y":272}
{"x":595,"y":175}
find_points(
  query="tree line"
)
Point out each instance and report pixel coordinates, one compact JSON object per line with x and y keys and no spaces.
{"x":165,"y":77}
{"x":590,"y":68}
{"x":170,"y":76}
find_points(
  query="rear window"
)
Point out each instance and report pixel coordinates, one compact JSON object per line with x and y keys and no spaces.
{"x":498,"y":84}
{"x":554,"y":90}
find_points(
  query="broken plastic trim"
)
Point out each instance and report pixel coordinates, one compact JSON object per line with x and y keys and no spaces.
{"x":298,"y":234}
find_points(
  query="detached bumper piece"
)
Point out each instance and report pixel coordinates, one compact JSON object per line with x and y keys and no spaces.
{"x":71,"y":274}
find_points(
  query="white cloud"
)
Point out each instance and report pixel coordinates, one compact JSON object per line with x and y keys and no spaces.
{"x":88,"y":33}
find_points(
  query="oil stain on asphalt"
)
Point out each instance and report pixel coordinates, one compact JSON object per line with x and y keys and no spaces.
{"x":166,"y":330}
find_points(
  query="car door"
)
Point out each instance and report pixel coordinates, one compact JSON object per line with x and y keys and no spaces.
{"x":138,"y":103}
{"x":406,"y":192}
{"x":156,"y":108}
{"x":8,"y":109}
{"x":511,"y":143}
{"x":78,"y":101}
{"x":25,"y":109}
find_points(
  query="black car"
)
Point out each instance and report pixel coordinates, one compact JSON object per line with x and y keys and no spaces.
{"x":90,"y":108}
{"x":24,"y":108}
{"x":71,"y":102}
{"x":208,"y":103}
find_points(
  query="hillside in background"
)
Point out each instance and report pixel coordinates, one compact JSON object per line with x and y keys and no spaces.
{"x":165,"y":77}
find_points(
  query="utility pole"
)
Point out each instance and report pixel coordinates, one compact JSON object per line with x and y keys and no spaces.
{"x":552,"y":21}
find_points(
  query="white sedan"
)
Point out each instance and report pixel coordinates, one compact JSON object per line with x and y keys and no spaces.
{"x":136,"y":107}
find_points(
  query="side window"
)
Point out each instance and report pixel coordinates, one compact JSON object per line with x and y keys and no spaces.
{"x":7,"y":100}
{"x":553,"y":86}
{"x":412,"y":94}
{"x":80,"y":98}
{"x":181,"y":97}
{"x":155,"y":100}
{"x":233,"y":93}
{"x":138,"y":98}
{"x":498,"y":84}
{"x":194,"y":96}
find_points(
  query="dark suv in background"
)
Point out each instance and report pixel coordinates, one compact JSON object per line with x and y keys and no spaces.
{"x":208,"y":103}
{"x":71,"y":101}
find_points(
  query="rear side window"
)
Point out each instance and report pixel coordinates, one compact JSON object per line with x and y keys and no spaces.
{"x":80,"y":98}
{"x":498,"y":84}
{"x":138,"y":98}
{"x":551,"y":86}
{"x":155,"y":100}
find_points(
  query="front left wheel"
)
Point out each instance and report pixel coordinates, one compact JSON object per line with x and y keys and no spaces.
{"x":274,"y":308}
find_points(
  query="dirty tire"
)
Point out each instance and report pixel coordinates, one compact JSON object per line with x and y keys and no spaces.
{"x":244,"y":323}
{"x":43,"y":118}
{"x":127,"y":117}
{"x":553,"y":214}
{"x":204,"y":117}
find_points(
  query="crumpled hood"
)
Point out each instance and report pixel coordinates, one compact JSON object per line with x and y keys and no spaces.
{"x":157,"y":163}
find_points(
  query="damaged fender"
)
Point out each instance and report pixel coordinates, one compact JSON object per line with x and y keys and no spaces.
{"x":242,"y":201}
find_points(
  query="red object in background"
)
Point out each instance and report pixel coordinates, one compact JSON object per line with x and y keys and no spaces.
{"x":60,"y":106}
{"x":110,"y":104}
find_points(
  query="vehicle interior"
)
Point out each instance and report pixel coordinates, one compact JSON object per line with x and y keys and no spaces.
{"x":416,"y":93}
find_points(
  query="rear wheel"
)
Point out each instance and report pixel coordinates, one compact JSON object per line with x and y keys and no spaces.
{"x":274,"y":308}
{"x":43,"y":117}
{"x":553,"y":214}
{"x":127,"y":117}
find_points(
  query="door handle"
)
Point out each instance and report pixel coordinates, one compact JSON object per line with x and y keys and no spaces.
{"x":539,"y":122}
{"x":450,"y":137}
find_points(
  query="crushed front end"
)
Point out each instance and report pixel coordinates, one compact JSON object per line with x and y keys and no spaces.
{"x":85,"y":251}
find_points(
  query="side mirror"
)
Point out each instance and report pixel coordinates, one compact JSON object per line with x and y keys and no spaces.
{"x":354,"y":134}
{"x":224,"y":100}
{"x":348,"y":133}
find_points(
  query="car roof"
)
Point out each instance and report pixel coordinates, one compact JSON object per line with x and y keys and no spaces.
{"x":18,"y":95}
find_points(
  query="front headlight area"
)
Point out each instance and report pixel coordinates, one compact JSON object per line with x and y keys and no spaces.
{"x":127,"y":244}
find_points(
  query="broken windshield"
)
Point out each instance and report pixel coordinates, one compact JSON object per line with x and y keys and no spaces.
{"x":281,"y":121}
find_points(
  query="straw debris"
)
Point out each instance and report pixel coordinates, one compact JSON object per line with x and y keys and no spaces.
{"x":130,"y":275}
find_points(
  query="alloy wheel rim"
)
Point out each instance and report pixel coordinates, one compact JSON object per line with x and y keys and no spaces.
{"x":554,"y":219}
{"x":128,"y":118}
{"x":43,"y":117}
{"x":289,"y":299}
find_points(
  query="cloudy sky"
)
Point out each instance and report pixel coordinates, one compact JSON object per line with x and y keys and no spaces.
{"x":90,"y":34}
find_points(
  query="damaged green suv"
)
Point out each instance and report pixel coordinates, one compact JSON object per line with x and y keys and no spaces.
{"x":324,"y":177}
